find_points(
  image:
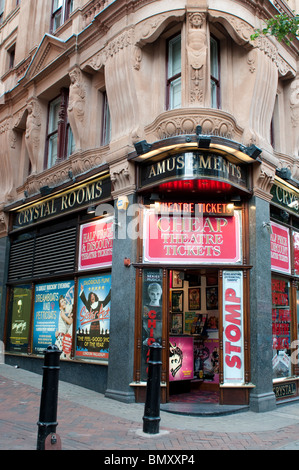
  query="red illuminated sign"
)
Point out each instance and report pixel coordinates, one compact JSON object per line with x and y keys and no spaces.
{"x":185,"y":238}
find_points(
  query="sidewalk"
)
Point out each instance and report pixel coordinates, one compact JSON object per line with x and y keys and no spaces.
{"x":88,"y":420}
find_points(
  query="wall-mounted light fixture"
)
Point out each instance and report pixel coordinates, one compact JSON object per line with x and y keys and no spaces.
{"x":45,"y":190}
{"x":235,"y":198}
{"x":252,"y":151}
{"x":142,"y":147}
{"x":284,"y":215}
{"x":91,"y":209}
{"x":268,"y":226}
{"x":203,"y":141}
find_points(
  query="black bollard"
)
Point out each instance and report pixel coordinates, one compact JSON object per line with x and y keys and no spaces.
{"x":48,"y":405}
{"x":151,"y":418}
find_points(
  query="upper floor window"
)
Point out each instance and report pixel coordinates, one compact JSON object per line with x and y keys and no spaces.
{"x":60,"y":141}
{"x":215,"y":73}
{"x":11,"y":57}
{"x":106,"y":126}
{"x":174,"y":73}
{"x":61,"y":11}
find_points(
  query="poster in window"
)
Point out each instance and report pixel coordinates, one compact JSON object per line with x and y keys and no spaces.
{"x":152,"y":297}
{"x":93,"y":317}
{"x":181,"y":359}
{"x":20,"y":307}
{"x":177,"y":279}
{"x":194,"y":299}
{"x":96,"y":243}
{"x":177,"y":301}
{"x":53,"y":317}
{"x":177,"y":324}
{"x":212,"y":298}
{"x":280,"y":248}
{"x":233,"y":327}
{"x":281,"y":328}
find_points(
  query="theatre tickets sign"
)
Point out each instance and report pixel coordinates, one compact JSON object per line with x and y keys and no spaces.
{"x":192,"y":235}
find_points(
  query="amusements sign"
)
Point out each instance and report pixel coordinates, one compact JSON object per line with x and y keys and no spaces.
{"x":93,"y":317}
{"x":280,"y":248}
{"x":53,"y":317}
{"x":191,"y":239}
{"x":96,"y":242}
{"x":233,"y":328}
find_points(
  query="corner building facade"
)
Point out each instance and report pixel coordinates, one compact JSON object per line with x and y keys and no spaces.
{"x":149,"y":193}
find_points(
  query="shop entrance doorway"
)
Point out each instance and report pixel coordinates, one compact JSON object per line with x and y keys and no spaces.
{"x":193,"y":321}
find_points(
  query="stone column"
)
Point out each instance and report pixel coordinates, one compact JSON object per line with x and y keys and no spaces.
{"x":122,"y":318}
{"x":262,"y":397}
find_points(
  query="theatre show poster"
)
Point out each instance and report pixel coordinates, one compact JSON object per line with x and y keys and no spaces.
{"x":20,"y":318}
{"x":181,"y":359}
{"x":53,"y":317}
{"x":93,"y":317}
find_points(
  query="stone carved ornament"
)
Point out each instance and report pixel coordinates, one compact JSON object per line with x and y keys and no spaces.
{"x":32,"y":134}
{"x":294,"y":105}
{"x":122,"y":177}
{"x":76,"y":106}
{"x":197,"y":55}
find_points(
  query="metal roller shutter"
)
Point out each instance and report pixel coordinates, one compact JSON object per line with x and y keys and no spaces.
{"x":43,"y":256}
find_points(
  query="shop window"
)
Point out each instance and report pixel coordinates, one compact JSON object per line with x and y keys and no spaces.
{"x":281,"y":328}
{"x":215,"y":73}
{"x":151,"y":315}
{"x":174,"y":73}
{"x":60,"y":140}
{"x":61,"y":11}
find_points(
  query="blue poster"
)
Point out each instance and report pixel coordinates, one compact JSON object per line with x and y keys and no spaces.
{"x":93,"y":317}
{"x":53,"y":317}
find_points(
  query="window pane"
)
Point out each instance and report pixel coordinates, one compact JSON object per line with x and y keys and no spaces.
{"x":54,"y":115}
{"x":71,"y":145}
{"x":214,"y":59}
{"x":281,"y":328}
{"x":214,"y":101}
{"x":57,"y":20}
{"x":52,"y":153}
{"x":174,"y":64}
{"x":106,"y":122}
{"x":57,"y":4}
{"x":175,"y":94}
